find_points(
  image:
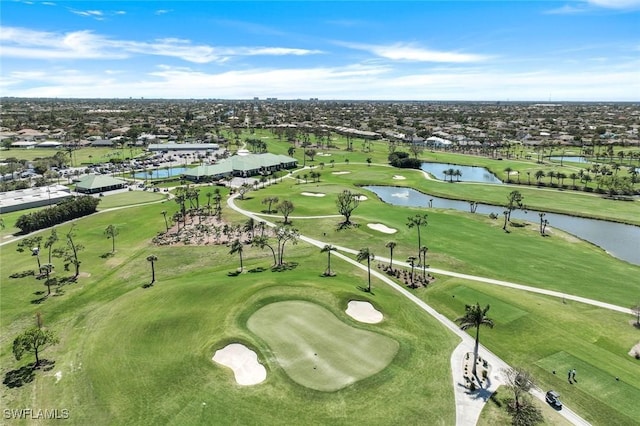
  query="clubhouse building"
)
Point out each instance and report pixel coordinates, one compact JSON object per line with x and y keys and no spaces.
{"x":241,"y":166}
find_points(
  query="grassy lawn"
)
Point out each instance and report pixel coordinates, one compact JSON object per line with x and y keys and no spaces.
{"x":460,"y":241}
{"x":129,"y":198}
{"x":130,"y":355}
{"x":545,"y":335}
{"x":316,"y":349}
{"x":87,"y":156}
{"x":134,"y":355}
{"x":495,"y":413}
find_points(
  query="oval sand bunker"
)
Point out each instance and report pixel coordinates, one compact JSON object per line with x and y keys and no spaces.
{"x":312,"y":194}
{"x":382,"y":228}
{"x":363,"y":312}
{"x":244,"y":363}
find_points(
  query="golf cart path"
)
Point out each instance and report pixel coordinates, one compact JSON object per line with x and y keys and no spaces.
{"x":468,"y":405}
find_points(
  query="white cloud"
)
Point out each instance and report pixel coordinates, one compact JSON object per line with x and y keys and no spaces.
{"x":616,"y":4}
{"x":358,"y":81}
{"x":408,"y":52}
{"x":25,"y":43}
{"x":162,"y":11}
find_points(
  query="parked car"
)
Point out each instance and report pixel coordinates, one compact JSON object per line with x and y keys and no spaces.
{"x":553,"y":399}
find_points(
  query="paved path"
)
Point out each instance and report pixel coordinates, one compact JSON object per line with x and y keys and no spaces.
{"x":468,"y":405}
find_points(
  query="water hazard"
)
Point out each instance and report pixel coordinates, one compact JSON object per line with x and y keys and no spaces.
{"x":619,"y":240}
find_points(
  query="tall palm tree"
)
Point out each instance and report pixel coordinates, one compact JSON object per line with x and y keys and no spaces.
{"x":363,"y":254}
{"x":236,"y":247}
{"x":152,"y":259}
{"x":166,"y":223}
{"x":474,"y":317}
{"x":417,"y":221}
{"x":328,"y":248}
{"x":391,"y":245}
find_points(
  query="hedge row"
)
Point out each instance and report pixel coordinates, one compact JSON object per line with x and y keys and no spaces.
{"x":71,"y":208}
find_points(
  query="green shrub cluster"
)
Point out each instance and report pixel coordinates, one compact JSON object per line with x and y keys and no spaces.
{"x":402,"y":160}
{"x":66,"y":210}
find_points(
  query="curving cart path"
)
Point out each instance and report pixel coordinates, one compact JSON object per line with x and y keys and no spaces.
{"x":468,"y":405}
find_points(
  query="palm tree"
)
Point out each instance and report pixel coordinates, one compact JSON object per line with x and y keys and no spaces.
{"x":152,"y":259}
{"x":363,"y":254}
{"x":328,"y":248}
{"x":166,"y":223}
{"x":508,"y":171}
{"x":412,"y":261}
{"x":391,"y":245}
{"x":236,"y":247}
{"x":417,"y":221}
{"x":111,"y":232}
{"x":423,"y":252}
{"x":474,"y":317}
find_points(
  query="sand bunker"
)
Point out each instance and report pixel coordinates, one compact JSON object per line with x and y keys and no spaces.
{"x":340,"y":173}
{"x":382,"y":228}
{"x":244,"y":363}
{"x":362,"y":198}
{"x":398,"y":177}
{"x":363,"y":312}
{"x":313,"y":194}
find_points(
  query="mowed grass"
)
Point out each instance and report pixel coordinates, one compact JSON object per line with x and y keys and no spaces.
{"x":130,"y":355}
{"x":618,"y":394}
{"x":552,"y":335}
{"x":459,"y":241}
{"x":495,"y":413}
{"x":316,"y":349}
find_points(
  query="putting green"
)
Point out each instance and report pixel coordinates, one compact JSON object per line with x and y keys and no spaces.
{"x":318,"y":350}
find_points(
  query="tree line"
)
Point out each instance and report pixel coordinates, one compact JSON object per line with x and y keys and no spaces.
{"x":72,"y":208}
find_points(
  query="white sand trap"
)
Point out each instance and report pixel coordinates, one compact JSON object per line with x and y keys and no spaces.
{"x":382,"y":228}
{"x":363,"y":312}
{"x":313,"y":194}
{"x":398,"y":177}
{"x":244,"y":363}
{"x":324,"y":154}
{"x":362,"y":198}
{"x":340,"y":173}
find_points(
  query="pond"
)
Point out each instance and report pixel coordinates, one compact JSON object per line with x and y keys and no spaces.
{"x":569,"y":159}
{"x":468,"y":173}
{"x":160,"y":173}
{"x":619,"y":240}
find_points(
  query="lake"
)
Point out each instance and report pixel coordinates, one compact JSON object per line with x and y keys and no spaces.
{"x":619,"y":240}
{"x":469,"y":173}
{"x":569,"y":159}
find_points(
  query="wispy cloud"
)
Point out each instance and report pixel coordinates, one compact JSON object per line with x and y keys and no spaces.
{"x":616,"y":4}
{"x":350,"y":82}
{"x":95,"y":14}
{"x":595,"y":5}
{"x":25,"y":43}
{"x":162,"y":11}
{"x":409,"y":52}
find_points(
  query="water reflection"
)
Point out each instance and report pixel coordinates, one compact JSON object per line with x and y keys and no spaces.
{"x":619,"y":240}
{"x":467,"y":173}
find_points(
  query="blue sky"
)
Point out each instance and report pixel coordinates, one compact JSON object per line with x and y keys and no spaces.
{"x":419,"y":50}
